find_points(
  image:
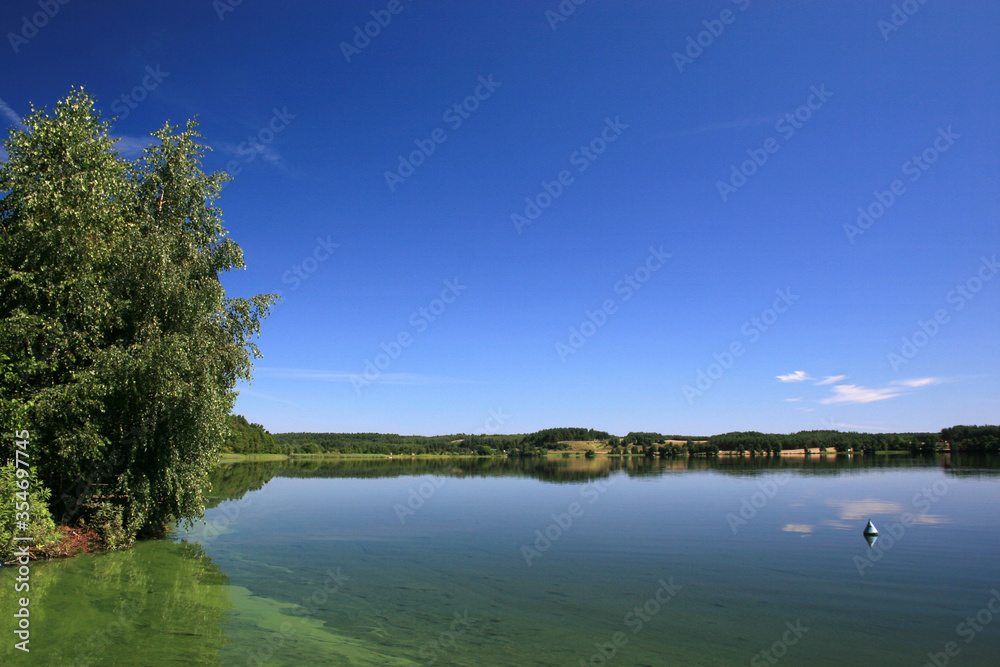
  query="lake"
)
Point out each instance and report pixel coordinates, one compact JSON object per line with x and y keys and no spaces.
{"x":548,"y":562}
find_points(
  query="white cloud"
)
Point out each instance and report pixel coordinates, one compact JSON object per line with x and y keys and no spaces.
{"x":918,"y":382}
{"x":830,"y":379}
{"x":266,"y":397}
{"x":852,"y":393}
{"x":246,"y":152}
{"x":15,"y":120}
{"x":792,"y":400}
{"x":797,"y":376}
{"x":12,"y":116}
{"x":132,"y":147}
{"x":834,"y":425}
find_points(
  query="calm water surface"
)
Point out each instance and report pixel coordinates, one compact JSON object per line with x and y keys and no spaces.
{"x":564,"y":562}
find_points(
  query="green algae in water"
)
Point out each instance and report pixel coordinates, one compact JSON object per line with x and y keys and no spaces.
{"x":158,"y":603}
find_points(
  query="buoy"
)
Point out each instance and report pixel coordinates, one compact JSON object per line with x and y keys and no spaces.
{"x":871,"y":534}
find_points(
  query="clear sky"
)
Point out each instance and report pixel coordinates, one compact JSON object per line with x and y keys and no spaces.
{"x":620,"y":215}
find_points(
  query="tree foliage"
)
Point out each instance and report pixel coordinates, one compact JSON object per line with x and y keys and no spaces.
{"x":973,"y":438}
{"x":247,"y":438}
{"x":118,"y":344}
{"x":14,"y":501}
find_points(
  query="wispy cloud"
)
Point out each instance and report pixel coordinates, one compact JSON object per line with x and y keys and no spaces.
{"x":852,"y":393}
{"x":341,"y":376}
{"x":830,"y":379}
{"x":248,"y":392}
{"x":833,"y":425}
{"x":132,"y":147}
{"x":14,"y":119}
{"x":12,"y":116}
{"x":247,"y":151}
{"x":792,"y":400}
{"x":797,"y":376}
{"x":918,"y":382}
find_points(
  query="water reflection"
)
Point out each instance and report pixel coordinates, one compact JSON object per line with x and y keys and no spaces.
{"x":232,"y":481}
{"x":871,"y":534}
{"x":272,"y":591}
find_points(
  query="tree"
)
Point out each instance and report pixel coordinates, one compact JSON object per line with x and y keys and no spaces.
{"x":119,"y":340}
{"x":247,"y":438}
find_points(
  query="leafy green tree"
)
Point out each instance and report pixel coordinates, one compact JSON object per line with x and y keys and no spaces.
{"x":116,"y":336}
{"x":247,"y":438}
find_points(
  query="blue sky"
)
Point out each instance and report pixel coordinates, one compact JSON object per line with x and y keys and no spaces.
{"x":499,"y":217}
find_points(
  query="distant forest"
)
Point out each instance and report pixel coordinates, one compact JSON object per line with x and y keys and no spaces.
{"x":247,"y":438}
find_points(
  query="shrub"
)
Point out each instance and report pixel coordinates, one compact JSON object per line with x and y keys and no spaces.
{"x":40,"y":524}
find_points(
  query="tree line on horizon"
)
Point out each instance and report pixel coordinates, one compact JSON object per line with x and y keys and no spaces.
{"x":957,"y":438}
